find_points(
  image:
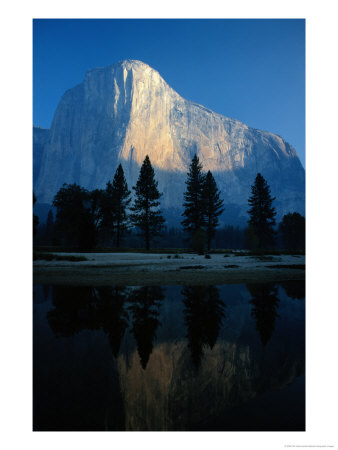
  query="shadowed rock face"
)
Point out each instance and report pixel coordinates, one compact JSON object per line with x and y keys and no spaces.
{"x":40,"y":138}
{"x":123,"y":112}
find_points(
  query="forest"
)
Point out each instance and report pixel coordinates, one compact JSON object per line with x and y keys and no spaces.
{"x":111,"y":219}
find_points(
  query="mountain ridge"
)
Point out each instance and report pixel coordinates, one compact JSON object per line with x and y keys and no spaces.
{"x":124,"y":111}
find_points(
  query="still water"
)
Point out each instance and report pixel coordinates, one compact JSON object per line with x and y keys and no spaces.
{"x":218,"y":358}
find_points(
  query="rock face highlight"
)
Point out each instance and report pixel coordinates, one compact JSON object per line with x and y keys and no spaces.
{"x":123,"y":112}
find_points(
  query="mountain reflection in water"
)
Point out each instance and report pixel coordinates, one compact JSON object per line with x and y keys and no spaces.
{"x":169,"y":358}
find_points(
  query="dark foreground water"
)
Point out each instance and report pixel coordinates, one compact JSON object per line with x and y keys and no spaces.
{"x":218,"y":358}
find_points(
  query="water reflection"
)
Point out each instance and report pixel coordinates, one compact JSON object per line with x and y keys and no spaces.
{"x":183,"y":360}
{"x":73,"y":310}
{"x":113,"y":314}
{"x":203,"y":316}
{"x":80,"y":308}
{"x":113,"y":309}
{"x":110,"y":309}
{"x":46,"y":292}
{"x":294,"y":289}
{"x":144,"y":308}
{"x":265,"y":304}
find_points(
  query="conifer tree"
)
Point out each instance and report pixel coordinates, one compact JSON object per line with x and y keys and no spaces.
{"x":145,"y":215}
{"x":262,"y":213}
{"x":193,"y":199}
{"x":213,"y":206}
{"x":114,"y":204}
{"x":121,"y":195}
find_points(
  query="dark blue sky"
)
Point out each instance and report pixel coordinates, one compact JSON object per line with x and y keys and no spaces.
{"x":251,"y":70}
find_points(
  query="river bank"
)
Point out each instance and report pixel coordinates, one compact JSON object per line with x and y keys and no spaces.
{"x":164,"y":269}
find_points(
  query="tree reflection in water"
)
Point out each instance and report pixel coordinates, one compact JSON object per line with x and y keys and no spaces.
{"x":145,"y":302}
{"x":294,"y":289}
{"x":173,"y":381}
{"x":73,"y":310}
{"x":265,"y":304}
{"x":80,"y":308}
{"x":203,"y":315}
{"x":113,"y":314}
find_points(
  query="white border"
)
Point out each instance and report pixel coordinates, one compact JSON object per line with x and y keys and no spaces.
{"x":321,"y":172}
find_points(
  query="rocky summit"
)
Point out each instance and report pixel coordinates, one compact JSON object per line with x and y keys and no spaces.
{"x":123,"y":112}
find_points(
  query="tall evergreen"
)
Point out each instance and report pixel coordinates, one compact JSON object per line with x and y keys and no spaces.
{"x":262,"y":213}
{"x":193,"y":199}
{"x":213,"y":206}
{"x":74,"y":216}
{"x":116,"y":199}
{"x":122,"y":200}
{"x":145,"y":215}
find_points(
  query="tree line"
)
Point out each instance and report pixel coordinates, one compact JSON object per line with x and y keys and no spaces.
{"x":85,"y":217}
{"x":108,"y":216}
{"x":261,"y":232}
{"x":115,"y":309}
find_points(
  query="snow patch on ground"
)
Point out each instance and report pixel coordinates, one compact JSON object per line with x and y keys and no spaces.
{"x":160,"y":262}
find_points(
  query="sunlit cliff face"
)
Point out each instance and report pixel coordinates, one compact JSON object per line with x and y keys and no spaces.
{"x":125,"y":111}
{"x":162,"y":124}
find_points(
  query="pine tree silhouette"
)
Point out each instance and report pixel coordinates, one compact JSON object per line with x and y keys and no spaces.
{"x":193,"y":199}
{"x":262,"y":213}
{"x":121,"y":201}
{"x":145,"y":215}
{"x":213,"y":206}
